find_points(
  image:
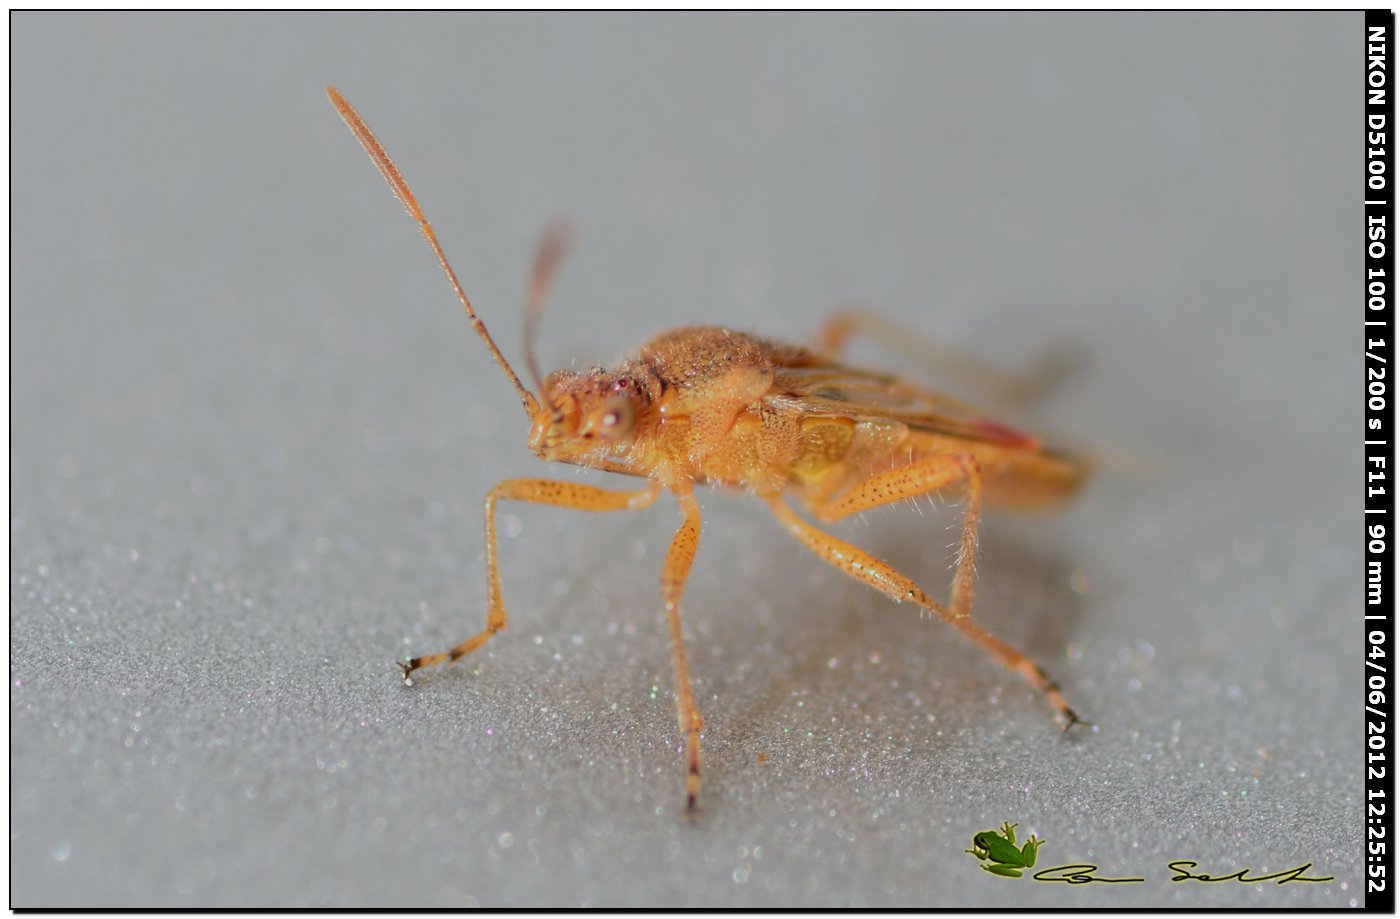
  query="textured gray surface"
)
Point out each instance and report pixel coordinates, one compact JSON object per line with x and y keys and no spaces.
{"x":251,"y":432}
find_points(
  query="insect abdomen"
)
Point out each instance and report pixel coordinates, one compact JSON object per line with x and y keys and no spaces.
{"x":1037,"y":480}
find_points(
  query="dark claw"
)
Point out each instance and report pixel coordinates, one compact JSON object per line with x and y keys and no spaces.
{"x":1069,"y":719}
{"x":408,"y":667}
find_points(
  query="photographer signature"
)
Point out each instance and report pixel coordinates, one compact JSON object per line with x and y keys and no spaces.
{"x":1002,"y":855}
{"x":1181,"y":871}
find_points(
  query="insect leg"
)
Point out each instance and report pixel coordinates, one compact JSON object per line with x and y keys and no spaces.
{"x":575,"y":495}
{"x":673,"y":576}
{"x":869,"y":570}
{"x":922,"y":477}
{"x":1009,"y":389}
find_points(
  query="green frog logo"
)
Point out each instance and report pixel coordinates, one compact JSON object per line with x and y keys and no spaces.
{"x":1000,"y":852}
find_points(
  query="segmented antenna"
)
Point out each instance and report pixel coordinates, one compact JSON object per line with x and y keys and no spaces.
{"x":400,"y":188}
{"x":553,"y":246}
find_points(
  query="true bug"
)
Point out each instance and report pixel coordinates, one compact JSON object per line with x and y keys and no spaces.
{"x":709,"y":405}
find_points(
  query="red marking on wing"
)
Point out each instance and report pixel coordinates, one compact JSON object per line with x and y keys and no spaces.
{"x":998,"y":433}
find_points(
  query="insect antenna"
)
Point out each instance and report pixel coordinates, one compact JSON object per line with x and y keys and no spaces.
{"x":391,"y":175}
{"x":553,"y":246}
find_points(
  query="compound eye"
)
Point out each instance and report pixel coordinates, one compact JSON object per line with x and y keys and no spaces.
{"x":615,"y":420}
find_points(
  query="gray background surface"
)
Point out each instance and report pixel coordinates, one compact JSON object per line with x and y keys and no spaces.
{"x":251,"y":432}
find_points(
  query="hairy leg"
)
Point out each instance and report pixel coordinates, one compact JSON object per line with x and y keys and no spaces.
{"x":574,"y":495}
{"x":922,"y":477}
{"x":869,"y":570}
{"x":673,"y":576}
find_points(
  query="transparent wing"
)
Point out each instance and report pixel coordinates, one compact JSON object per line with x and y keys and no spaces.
{"x":835,"y":389}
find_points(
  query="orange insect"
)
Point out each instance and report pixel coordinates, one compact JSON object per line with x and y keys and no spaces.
{"x":708,"y":405}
